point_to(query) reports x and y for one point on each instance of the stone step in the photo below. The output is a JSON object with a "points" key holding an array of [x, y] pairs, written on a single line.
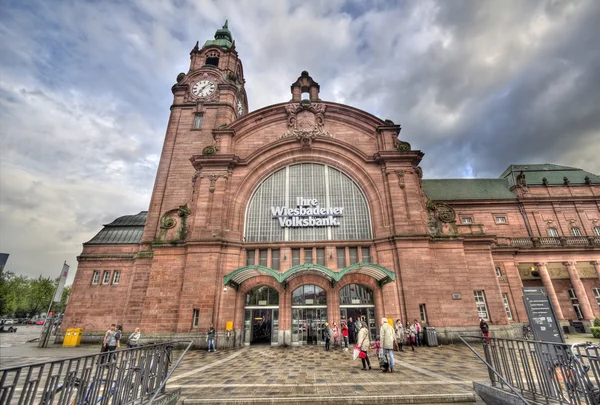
{"points": [[427, 399]]}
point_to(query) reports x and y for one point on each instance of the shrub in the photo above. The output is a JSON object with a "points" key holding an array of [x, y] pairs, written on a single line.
{"points": [[596, 331], [596, 321]]}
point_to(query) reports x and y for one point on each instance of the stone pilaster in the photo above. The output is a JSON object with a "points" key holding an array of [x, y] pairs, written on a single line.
{"points": [[582, 297], [597, 267], [547, 281]]}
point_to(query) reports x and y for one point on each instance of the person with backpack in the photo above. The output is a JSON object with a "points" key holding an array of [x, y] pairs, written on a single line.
{"points": [[326, 336], [485, 329]]}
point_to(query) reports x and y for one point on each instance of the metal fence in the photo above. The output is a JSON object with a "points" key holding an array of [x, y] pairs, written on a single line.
{"points": [[543, 372], [121, 377]]}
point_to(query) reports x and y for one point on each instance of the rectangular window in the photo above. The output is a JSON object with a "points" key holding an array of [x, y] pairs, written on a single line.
{"points": [[423, 312], [596, 230], [482, 311], [116, 276], [197, 121], [308, 255], [295, 257], [96, 277], [321, 256], [262, 257], [106, 277], [250, 254], [552, 232], [498, 271], [467, 220], [275, 259], [597, 295], [575, 231], [195, 318], [341, 257], [507, 306], [366, 255], [575, 303], [500, 220], [353, 255]]}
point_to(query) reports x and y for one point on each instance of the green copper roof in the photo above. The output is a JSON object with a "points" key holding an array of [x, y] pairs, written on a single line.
{"points": [[223, 38], [467, 189], [123, 230], [554, 174]]}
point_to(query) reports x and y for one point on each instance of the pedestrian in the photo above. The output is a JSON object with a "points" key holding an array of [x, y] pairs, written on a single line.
{"points": [[418, 332], [388, 335], [210, 338], [383, 363], [410, 335], [357, 325], [134, 338], [345, 336], [485, 329], [109, 339], [336, 336], [364, 343], [351, 333], [326, 336], [399, 335]]}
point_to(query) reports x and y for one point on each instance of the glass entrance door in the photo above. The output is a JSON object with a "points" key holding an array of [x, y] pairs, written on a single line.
{"points": [[365, 315], [261, 325], [307, 325]]}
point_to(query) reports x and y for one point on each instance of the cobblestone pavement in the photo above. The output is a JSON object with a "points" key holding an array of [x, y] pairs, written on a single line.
{"points": [[263, 371]]}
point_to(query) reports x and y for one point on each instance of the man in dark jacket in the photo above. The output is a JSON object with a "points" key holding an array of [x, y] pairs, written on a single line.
{"points": [[485, 329], [351, 331]]}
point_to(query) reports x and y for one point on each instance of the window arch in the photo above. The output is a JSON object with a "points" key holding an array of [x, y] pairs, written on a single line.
{"points": [[575, 231], [552, 232], [263, 295], [309, 294], [596, 230], [355, 294], [307, 202]]}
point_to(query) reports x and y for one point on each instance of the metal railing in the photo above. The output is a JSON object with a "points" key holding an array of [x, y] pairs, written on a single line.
{"points": [[128, 376], [549, 242], [541, 371]]}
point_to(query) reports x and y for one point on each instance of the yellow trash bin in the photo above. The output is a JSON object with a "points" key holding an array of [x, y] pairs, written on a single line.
{"points": [[68, 340], [76, 337]]}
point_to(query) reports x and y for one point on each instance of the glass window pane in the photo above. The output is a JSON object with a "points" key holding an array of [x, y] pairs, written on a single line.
{"points": [[353, 255], [298, 296], [320, 296], [262, 257], [295, 257], [250, 257], [341, 257], [309, 294], [366, 255], [354, 294], [321, 256], [275, 259], [308, 253]]}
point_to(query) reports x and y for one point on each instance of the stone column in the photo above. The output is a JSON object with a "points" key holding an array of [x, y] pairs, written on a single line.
{"points": [[584, 303], [597, 267], [547, 281]]}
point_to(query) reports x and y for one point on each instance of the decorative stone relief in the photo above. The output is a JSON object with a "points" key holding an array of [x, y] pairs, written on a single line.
{"points": [[400, 174], [306, 122], [401, 146], [521, 182], [209, 150], [170, 219], [442, 219]]}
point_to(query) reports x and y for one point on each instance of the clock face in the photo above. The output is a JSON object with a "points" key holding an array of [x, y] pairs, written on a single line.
{"points": [[240, 108], [203, 88]]}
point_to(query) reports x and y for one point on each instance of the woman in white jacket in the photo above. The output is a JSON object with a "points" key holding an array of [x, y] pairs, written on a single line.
{"points": [[364, 343]]}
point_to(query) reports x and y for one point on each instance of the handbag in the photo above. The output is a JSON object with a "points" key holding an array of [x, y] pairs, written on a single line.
{"points": [[356, 353], [362, 355]]}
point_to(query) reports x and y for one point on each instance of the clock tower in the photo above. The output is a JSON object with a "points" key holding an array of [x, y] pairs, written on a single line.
{"points": [[208, 97]]}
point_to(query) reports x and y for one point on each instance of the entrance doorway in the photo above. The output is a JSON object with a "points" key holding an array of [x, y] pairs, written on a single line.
{"points": [[261, 318], [307, 325], [261, 326], [356, 302]]}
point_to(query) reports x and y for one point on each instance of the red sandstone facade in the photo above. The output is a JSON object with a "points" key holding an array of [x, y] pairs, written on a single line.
{"points": [[434, 245]]}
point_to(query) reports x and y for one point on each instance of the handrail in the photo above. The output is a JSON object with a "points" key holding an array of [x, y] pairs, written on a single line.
{"points": [[164, 383], [490, 368]]}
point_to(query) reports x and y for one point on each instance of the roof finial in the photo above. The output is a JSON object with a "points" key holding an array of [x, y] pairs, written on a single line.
{"points": [[225, 26]]}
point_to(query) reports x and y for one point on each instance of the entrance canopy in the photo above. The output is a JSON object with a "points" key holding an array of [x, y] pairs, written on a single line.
{"points": [[379, 273]]}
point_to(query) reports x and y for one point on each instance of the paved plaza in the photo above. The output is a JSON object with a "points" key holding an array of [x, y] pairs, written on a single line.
{"points": [[263, 374]]}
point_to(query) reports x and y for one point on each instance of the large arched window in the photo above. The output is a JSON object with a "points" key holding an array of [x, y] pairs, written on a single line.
{"points": [[307, 202], [309, 295], [355, 294], [263, 295]]}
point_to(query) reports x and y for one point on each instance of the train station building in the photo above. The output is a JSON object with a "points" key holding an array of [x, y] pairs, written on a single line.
{"points": [[269, 223]]}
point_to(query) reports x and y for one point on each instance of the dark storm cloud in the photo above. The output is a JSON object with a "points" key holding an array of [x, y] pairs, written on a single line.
{"points": [[85, 92]]}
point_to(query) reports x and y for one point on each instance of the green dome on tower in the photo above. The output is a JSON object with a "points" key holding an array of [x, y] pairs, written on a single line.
{"points": [[223, 38]]}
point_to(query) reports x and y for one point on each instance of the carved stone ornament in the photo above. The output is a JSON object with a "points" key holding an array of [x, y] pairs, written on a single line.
{"points": [[209, 150], [170, 219], [522, 182], [442, 219], [306, 122], [401, 146]]}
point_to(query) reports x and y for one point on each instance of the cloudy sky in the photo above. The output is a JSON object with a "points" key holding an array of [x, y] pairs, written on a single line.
{"points": [[85, 92]]}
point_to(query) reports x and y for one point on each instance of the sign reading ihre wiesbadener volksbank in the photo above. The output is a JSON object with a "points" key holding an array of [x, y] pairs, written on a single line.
{"points": [[307, 214]]}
